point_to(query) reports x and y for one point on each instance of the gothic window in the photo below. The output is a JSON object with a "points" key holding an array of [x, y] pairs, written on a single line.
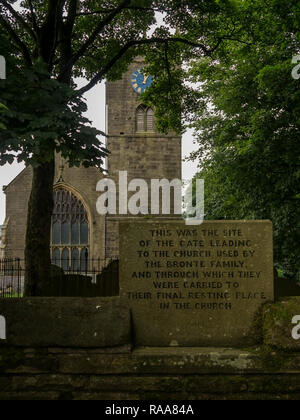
{"points": [[145, 119], [70, 232]]}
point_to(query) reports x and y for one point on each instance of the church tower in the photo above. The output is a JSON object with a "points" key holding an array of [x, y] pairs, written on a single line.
{"points": [[134, 143]]}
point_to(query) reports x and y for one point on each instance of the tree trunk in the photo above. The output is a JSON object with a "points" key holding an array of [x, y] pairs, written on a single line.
{"points": [[37, 249]]}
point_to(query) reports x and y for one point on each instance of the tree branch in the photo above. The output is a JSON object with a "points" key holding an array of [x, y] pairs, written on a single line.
{"points": [[103, 11], [19, 18], [71, 14], [229, 38], [93, 36], [65, 42], [33, 19], [168, 65], [49, 31], [99, 76], [21, 46], [99, 28]]}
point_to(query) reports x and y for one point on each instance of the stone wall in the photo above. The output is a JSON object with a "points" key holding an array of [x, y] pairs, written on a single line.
{"points": [[17, 196], [195, 374], [95, 359]]}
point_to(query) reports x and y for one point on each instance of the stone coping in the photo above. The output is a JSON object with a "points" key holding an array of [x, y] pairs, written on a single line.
{"points": [[104, 324], [147, 361], [66, 322]]}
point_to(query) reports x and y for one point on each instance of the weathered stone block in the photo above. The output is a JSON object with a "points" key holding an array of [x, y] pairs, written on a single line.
{"points": [[66, 322], [159, 361], [196, 286], [277, 324], [149, 374]]}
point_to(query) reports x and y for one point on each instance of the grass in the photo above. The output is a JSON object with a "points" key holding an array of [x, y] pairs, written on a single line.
{"points": [[11, 296]]}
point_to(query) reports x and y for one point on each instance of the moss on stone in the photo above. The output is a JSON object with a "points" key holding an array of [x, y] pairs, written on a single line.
{"points": [[256, 335], [277, 324]]}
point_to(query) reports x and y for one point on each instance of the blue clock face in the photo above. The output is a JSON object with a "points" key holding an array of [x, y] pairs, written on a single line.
{"points": [[140, 81]]}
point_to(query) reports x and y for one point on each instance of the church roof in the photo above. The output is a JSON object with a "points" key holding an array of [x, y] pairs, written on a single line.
{"points": [[20, 175]]}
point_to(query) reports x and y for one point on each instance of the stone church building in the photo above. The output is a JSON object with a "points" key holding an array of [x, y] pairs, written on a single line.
{"points": [[77, 229]]}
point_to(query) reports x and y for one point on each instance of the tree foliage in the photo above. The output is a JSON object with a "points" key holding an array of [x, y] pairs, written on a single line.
{"points": [[51, 42], [248, 126]]}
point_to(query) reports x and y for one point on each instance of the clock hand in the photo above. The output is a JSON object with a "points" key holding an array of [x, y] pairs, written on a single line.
{"points": [[145, 79]]}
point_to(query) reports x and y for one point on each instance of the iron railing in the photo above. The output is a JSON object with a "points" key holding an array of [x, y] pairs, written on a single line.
{"points": [[11, 278], [90, 278]]}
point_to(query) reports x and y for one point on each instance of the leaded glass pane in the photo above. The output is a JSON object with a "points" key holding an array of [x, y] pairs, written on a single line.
{"points": [[84, 255], [65, 233], [75, 233], [56, 236], [65, 259], [75, 259], [84, 234], [56, 257]]}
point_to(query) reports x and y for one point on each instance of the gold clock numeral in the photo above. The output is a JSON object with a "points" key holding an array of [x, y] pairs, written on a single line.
{"points": [[135, 85], [139, 90]]}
